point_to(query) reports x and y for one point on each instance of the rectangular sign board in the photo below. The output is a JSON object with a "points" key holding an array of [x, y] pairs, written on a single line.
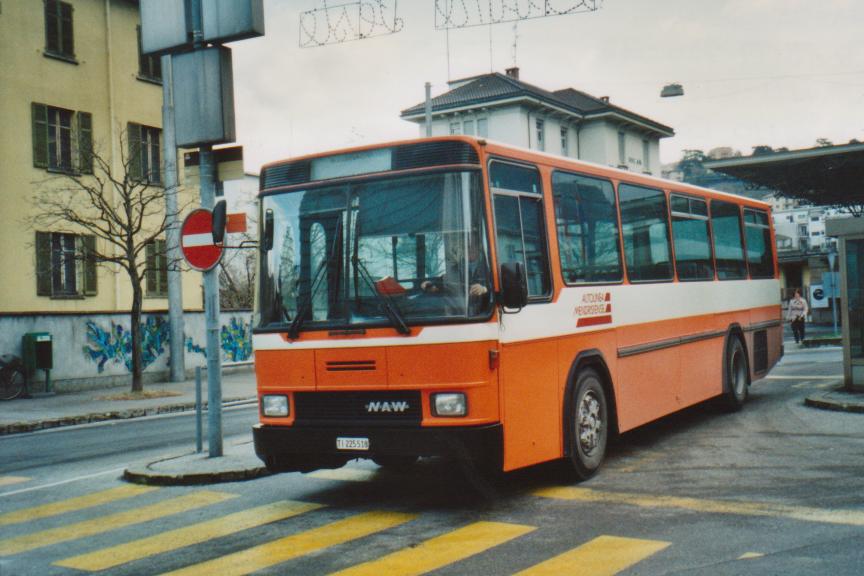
{"points": [[203, 97], [229, 20], [165, 26]]}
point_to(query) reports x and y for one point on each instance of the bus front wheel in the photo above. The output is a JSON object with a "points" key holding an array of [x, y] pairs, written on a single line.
{"points": [[588, 425]]}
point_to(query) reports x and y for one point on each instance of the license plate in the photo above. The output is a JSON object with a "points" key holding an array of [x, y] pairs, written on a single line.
{"points": [[352, 443]]}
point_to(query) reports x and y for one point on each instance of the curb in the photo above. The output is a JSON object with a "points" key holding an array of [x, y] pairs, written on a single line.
{"points": [[36, 425], [230, 468], [836, 406]]}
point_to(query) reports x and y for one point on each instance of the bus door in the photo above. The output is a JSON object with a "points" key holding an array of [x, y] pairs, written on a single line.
{"points": [[528, 369]]}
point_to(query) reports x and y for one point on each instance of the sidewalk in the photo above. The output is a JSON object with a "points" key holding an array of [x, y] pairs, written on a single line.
{"points": [[31, 414]]}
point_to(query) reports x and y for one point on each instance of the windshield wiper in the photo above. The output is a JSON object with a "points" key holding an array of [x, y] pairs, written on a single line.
{"points": [[392, 311], [294, 329]]}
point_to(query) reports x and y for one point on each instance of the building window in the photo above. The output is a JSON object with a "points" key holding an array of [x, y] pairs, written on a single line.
{"points": [[62, 139], [483, 127], [157, 269], [59, 39], [455, 128], [622, 150], [149, 67], [565, 148], [468, 127], [541, 140], [144, 153], [65, 265]]}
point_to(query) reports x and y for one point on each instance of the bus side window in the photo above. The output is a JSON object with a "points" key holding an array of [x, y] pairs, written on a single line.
{"points": [[760, 258], [691, 237], [645, 228], [728, 246], [587, 224], [519, 223]]}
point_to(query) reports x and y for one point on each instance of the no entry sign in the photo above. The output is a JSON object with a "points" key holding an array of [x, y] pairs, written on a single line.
{"points": [[196, 240]]}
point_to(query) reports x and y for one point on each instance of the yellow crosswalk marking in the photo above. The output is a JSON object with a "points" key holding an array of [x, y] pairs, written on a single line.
{"points": [[602, 556], [808, 514], [74, 504], [9, 480], [111, 522], [345, 474], [187, 536], [441, 550], [277, 551]]}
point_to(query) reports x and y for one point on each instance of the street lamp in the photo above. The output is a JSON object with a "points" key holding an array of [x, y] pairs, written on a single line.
{"points": [[671, 91]]}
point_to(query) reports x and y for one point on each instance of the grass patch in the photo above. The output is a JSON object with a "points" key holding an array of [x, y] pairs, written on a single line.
{"points": [[144, 395]]}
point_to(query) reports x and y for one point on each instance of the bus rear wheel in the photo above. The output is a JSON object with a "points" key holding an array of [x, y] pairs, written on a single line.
{"points": [[588, 425], [736, 377]]}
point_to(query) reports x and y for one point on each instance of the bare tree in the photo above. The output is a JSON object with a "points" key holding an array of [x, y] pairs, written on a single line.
{"points": [[122, 211]]}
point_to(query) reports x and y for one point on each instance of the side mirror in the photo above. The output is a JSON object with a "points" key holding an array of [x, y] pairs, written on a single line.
{"points": [[219, 218], [514, 286], [267, 233]]}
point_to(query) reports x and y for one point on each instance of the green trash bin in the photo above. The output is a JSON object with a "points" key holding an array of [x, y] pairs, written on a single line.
{"points": [[37, 354]]}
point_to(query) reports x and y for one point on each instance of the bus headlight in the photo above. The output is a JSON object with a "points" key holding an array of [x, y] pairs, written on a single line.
{"points": [[276, 406], [449, 404]]}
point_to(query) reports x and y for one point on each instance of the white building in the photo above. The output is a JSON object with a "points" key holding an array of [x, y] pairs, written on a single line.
{"points": [[803, 228], [566, 122]]}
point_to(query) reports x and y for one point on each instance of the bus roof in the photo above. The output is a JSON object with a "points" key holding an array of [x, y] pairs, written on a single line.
{"points": [[544, 158]]}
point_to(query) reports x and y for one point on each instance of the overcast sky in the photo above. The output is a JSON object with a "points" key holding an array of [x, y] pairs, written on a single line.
{"points": [[775, 72]]}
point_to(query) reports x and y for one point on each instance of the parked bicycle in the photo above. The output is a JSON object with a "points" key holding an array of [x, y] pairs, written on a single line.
{"points": [[13, 381]]}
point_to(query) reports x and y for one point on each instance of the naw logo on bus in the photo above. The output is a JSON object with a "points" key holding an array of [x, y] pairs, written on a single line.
{"points": [[595, 308], [377, 407]]}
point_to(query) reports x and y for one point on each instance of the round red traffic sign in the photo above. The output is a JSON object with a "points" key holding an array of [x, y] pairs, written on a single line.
{"points": [[196, 240]]}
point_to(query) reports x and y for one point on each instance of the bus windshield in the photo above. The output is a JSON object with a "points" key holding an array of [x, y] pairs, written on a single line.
{"points": [[396, 250]]}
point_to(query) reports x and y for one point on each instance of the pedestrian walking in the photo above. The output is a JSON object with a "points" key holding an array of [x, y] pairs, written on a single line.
{"points": [[796, 313]]}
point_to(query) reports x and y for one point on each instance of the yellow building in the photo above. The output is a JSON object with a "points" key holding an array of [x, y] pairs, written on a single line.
{"points": [[72, 79]]}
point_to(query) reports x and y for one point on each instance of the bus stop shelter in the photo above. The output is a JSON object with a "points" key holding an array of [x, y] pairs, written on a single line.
{"points": [[823, 176]]}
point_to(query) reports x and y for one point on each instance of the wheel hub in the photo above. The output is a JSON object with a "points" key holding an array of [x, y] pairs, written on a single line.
{"points": [[590, 423]]}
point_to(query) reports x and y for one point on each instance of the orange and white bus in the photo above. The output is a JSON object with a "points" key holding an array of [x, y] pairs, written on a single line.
{"points": [[462, 298]]}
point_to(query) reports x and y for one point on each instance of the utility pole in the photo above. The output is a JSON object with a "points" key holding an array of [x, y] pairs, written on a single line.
{"points": [[175, 276], [428, 110]]}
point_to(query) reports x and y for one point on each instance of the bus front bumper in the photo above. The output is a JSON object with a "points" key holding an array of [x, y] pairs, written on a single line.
{"points": [[291, 448]]}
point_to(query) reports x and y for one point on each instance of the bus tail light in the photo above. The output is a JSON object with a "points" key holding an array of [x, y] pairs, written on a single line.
{"points": [[449, 404], [275, 406]]}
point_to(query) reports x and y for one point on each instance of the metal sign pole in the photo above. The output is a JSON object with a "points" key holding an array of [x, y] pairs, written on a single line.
{"points": [[175, 275], [211, 280]]}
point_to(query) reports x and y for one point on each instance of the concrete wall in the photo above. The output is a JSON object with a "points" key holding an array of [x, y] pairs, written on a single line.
{"points": [[94, 350]]}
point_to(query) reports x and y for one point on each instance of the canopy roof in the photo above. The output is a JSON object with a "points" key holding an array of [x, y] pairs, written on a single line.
{"points": [[828, 175]]}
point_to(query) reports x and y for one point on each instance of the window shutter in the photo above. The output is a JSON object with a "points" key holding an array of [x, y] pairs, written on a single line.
{"points": [[133, 133], [90, 283], [66, 35], [85, 142], [52, 27], [43, 263], [40, 135], [151, 278], [163, 267]]}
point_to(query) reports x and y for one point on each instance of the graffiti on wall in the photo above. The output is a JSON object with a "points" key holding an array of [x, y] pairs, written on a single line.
{"points": [[235, 341], [115, 344]]}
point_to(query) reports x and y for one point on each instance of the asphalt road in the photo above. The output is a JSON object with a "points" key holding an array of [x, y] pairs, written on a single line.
{"points": [[775, 489]]}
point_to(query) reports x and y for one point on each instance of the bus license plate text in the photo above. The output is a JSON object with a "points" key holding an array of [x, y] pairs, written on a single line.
{"points": [[352, 443]]}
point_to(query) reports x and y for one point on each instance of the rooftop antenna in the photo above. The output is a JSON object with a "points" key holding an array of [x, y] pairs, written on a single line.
{"points": [[515, 42]]}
